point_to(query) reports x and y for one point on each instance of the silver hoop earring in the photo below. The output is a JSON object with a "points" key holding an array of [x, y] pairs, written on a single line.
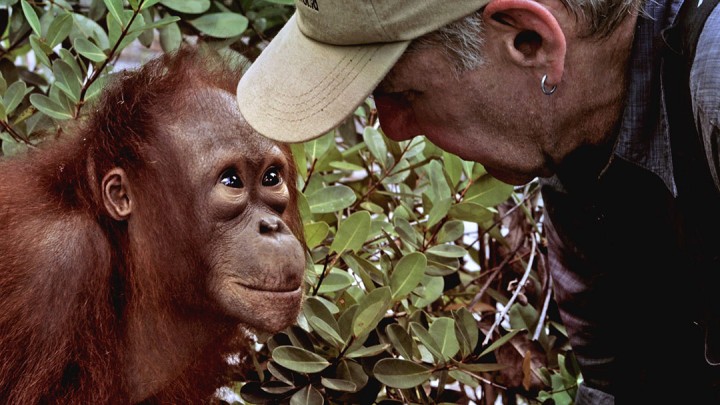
{"points": [[544, 90]]}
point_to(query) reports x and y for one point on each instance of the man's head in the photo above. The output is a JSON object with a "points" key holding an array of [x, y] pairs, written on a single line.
{"points": [[465, 74]]}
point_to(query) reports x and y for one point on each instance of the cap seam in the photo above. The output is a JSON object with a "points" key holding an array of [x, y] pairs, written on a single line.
{"points": [[382, 30]]}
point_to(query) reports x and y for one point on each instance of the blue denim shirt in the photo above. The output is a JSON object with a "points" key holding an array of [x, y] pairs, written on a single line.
{"points": [[615, 247]]}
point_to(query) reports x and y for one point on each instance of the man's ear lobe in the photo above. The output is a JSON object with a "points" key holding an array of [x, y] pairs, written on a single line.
{"points": [[531, 36], [116, 194]]}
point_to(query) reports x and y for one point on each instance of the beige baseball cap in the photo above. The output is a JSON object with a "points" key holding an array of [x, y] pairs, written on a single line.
{"points": [[329, 57]]}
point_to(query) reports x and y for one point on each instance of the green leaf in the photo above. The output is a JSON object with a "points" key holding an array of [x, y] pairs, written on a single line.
{"points": [[170, 37], [464, 378], [504, 339], [319, 317], [284, 2], [41, 50], [488, 191], [338, 384], [453, 168], [89, 29], [49, 107], [401, 341], [438, 211], [31, 17], [471, 212], [66, 80], [447, 250], [89, 50], [367, 351], [352, 233], [59, 29], [157, 24], [331, 199], [451, 231], [221, 25], [300, 360], [426, 339], [407, 274], [115, 7], [148, 3], [326, 331], [3, 114], [398, 373], [115, 30], [335, 281], [481, 367], [315, 233], [443, 332], [372, 308], [96, 88], [188, 7], [349, 370], [433, 289], [467, 329], [14, 96], [307, 396], [376, 145], [439, 189]]}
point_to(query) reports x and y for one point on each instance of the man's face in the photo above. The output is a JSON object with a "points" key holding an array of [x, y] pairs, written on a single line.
{"points": [[488, 115]]}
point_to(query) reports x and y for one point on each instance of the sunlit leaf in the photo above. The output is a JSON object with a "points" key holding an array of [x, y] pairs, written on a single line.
{"points": [[221, 25], [49, 106], [398, 373], [31, 17], [447, 250], [443, 332], [471, 212], [407, 274], [352, 233], [488, 192], [115, 8], [59, 29], [451, 231], [14, 96], [331, 199], [338, 384], [89, 50], [298, 359], [371, 310], [335, 281], [185, 6], [315, 233]]}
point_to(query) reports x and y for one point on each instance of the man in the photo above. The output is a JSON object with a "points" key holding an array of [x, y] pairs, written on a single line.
{"points": [[595, 98]]}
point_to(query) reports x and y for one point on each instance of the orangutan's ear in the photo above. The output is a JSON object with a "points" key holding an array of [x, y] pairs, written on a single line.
{"points": [[116, 194]]}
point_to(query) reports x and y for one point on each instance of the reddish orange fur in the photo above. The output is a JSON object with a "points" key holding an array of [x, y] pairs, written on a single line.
{"points": [[70, 278]]}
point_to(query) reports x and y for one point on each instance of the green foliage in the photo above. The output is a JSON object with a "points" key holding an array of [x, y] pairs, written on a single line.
{"points": [[426, 280]]}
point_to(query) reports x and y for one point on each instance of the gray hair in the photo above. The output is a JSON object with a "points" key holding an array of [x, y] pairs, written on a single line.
{"points": [[462, 40]]}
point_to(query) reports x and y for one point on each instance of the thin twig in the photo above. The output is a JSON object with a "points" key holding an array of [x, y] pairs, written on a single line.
{"points": [[522, 282], [493, 275], [546, 304]]}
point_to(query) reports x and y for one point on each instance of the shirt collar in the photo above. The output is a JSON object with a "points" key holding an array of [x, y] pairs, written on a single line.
{"points": [[644, 137]]}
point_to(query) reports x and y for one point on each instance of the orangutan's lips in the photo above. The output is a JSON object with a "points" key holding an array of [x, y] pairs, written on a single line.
{"points": [[291, 290]]}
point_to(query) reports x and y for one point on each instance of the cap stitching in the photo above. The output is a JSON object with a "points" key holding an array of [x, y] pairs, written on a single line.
{"points": [[326, 100], [329, 79]]}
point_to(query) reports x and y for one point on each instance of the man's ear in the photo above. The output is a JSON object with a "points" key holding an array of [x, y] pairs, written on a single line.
{"points": [[116, 194], [531, 36]]}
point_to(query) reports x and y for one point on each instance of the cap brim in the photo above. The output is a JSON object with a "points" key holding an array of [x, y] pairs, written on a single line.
{"points": [[299, 89]]}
